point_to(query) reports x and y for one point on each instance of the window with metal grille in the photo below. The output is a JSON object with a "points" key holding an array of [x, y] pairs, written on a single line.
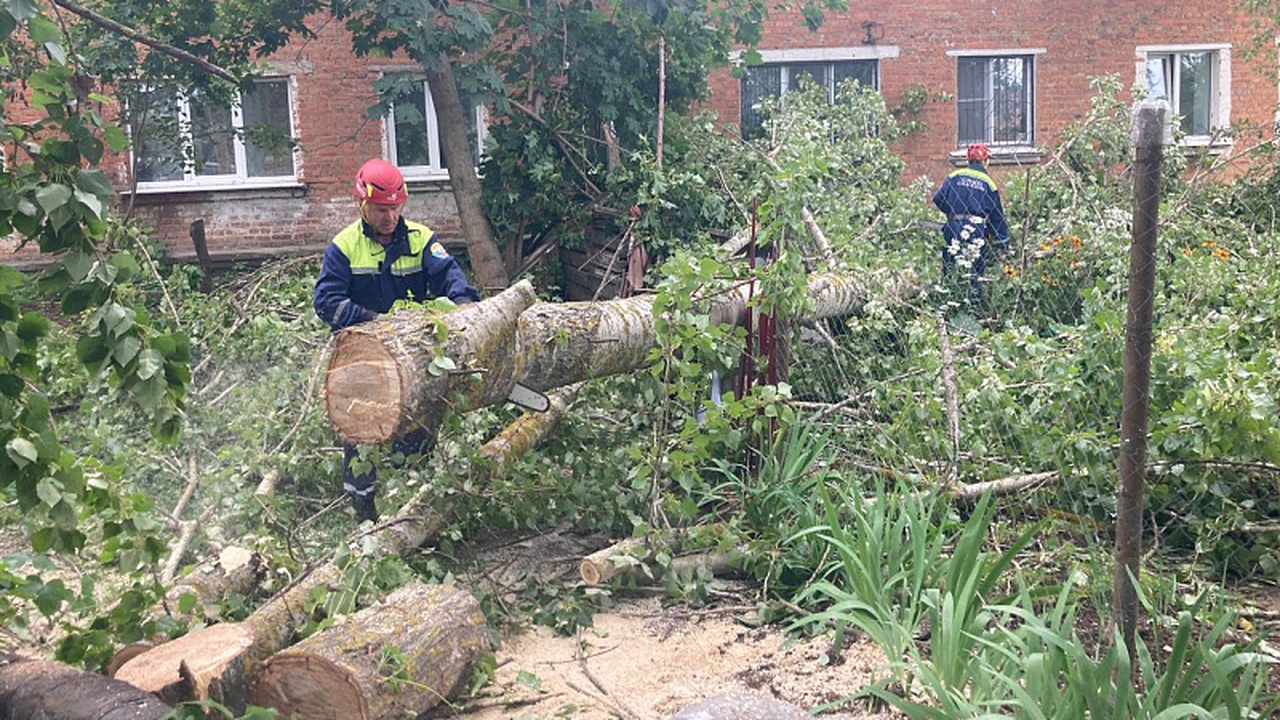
{"points": [[994, 100]]}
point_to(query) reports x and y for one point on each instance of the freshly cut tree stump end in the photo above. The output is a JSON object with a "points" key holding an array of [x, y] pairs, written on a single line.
{"points": [[206, 654], [312, 687], [363, 390]]}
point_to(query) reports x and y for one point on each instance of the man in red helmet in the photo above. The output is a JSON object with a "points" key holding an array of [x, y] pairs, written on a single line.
{"points": [[377, 260], [975, 219]]}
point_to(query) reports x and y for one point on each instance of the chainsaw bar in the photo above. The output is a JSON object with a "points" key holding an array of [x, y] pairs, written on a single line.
{"points": [[529, 398]]}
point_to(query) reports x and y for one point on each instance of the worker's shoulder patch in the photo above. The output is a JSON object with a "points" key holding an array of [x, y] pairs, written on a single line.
{"points": [[437, 250]]}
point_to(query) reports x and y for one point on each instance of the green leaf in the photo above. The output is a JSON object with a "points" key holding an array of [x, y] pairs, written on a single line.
{"points": [[150, 362], [21, 451], [186, 603], [126, 350], [53, 196], [50, 491], [22, 10], [78, 265], [57, 52], [115, 137], [32, 327], [7, 25], [10, 279], [91, 201], [441, 365], [95, 181], [50, 598]]}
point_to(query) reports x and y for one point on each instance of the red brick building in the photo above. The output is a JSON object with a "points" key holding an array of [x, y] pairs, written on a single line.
{"points": [[1017, 72]]}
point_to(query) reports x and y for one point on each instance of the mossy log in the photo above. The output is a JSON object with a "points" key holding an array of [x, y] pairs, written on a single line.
{"points": [[378, 386], [527, 431], [396, 659], [218, 661], [42, 690]]}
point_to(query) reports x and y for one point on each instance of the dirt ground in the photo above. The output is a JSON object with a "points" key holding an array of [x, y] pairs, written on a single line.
{"points": [[644, 659]]}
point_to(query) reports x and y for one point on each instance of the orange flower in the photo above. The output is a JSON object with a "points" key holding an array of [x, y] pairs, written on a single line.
{"points": [[1221, 253], [1076, 242], [1009, 271]]}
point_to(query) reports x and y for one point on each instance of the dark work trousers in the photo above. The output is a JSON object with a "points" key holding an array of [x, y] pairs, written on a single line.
{"points": [[360, 488]]}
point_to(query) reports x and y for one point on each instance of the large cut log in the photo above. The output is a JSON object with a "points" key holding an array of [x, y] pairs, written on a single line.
{"points": [[379, 387], [42, 690], [218, 661], [382, 382], [396, 659]]}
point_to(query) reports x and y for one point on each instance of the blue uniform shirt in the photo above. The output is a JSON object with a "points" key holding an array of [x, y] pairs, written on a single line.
{"points": [[967, 195], [360, 277]]}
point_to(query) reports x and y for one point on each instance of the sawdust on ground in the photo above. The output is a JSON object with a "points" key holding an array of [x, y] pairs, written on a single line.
{"points": [[642, 660], [646, 659]]}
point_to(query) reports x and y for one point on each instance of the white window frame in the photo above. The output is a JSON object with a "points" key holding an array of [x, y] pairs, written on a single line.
{"points": [[432, 170], [190, 181], [790, 57], [1220, 109]]}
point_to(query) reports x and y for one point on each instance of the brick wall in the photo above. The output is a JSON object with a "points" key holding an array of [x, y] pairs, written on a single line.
{"points": [[1080, 39]]}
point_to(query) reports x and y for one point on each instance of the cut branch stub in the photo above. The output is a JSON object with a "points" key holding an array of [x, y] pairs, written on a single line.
{"points": [[379, 385]]}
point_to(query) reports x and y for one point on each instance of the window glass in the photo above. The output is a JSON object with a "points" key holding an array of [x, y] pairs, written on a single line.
{"points": [[157, 141], [771, 81], [993, 100], [186, 137], [763, 81], [212, 138], [267, 129], [413, 131], [412, 139], [1195, 81]]}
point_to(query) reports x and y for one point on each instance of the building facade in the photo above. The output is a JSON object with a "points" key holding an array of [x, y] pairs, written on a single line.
{"points": [[1016, 72]]}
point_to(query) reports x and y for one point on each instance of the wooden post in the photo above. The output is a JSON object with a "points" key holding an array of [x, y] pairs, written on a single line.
{"points": [[1148, 133], [202, 255]]}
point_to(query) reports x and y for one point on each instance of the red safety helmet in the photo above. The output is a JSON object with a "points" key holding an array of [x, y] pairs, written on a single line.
{"points": [[979, 152], [380, 183]]}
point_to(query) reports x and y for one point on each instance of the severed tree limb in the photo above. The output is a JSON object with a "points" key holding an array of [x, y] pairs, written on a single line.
{"points": [[171, 51], [42, 690], [528, 430], [187, 533], [952, 404], [1003, 486]]}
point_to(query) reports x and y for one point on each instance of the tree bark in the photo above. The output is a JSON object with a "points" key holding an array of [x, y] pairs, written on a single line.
{"points": [[41, 690], [380, 383], [482, 249], [393, 660], [527, 431], [218, 661], [378, 387]]}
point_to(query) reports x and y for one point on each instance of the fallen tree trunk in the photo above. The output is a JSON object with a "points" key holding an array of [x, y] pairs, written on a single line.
{"points": [[396, 659], [379, 386], [41, 690], [217, 662]]}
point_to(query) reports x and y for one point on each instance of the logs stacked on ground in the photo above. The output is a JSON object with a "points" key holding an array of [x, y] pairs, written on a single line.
{"points": [[396, 659]]}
